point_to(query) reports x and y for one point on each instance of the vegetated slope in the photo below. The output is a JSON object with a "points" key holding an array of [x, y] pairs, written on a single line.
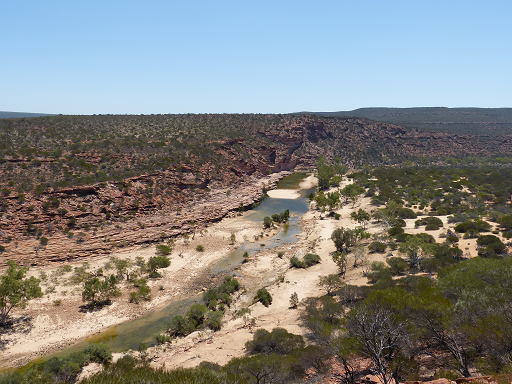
{"points": [[474, 121], [13, 115], [73, 186]]}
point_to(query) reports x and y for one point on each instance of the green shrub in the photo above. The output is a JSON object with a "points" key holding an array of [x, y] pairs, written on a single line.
{"points": [[486, 252], [196, 315], [452, 239], [162, 338], [431, 227], [311, 259], [397, 265], [429, 220], [267, 222], [200, 248], [157, 262], [294, 300], [491, 242], [98, 291], [264, 297], [143, 291], [98, 353], [296, 263], [180, 326], [63, 369], [379, 272], [163, 250], [405, 213], [479, 225], [213, 320], [377, 247], [431, 264], [221, 294], [393, 231]]}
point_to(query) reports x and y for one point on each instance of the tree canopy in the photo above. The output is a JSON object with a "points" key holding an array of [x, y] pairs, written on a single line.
{"points": [[16, 290]]}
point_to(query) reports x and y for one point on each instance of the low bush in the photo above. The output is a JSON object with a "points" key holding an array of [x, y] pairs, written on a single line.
{"points": [[405, 213], [490, 242], [397, 265], [221, 295], [264, 297], [377, 247], [157, 262], [479, 225], [429, 220], [162, 338], [296, 263], [309, 260], [143, 291], [163, 250], [379, 272], [393, 231], [452, 239], [60, 369]]}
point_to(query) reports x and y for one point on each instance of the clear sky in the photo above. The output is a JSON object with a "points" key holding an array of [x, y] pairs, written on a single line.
{"points": [[241, 56]]}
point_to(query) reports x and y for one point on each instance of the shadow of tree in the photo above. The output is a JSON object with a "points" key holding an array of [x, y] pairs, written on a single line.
{"points": [[18, 325], [94, 306]]}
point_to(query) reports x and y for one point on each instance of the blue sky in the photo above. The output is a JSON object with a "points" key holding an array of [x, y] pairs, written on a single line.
{"points": [[153, 56]]}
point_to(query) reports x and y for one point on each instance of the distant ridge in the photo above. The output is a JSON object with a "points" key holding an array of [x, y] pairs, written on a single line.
{"points": [[474, 121], [16, 115]]}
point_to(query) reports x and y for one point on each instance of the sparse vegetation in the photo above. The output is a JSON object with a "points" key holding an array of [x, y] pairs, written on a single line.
{"points": [[461, 315], [207, 315]]}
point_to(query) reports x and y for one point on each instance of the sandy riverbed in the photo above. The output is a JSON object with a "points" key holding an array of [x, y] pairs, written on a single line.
{"points": [[58, 319], [46, 326]]}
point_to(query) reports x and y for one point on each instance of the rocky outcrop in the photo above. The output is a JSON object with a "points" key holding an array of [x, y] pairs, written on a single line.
{"points": [[115, 218]]}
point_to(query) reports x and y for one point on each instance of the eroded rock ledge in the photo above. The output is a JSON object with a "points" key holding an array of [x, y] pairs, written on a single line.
{"points": [[162, 219]]}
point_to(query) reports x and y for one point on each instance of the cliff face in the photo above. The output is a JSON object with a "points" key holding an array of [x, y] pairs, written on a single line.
{"points": [[80, 187], [100, 218]]}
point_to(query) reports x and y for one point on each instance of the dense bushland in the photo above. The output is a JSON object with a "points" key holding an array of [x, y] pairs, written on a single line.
{"points": [[461, 319], [60, 369]]}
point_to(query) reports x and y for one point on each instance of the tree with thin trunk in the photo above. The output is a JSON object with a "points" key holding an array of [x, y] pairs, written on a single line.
{"points": [[340, 259], [331, 283], [361, 217], [16, 290], [380, 335], [343, 238]]}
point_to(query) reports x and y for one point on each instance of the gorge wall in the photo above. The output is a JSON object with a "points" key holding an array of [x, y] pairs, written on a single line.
{"points": [[78, 186]]}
